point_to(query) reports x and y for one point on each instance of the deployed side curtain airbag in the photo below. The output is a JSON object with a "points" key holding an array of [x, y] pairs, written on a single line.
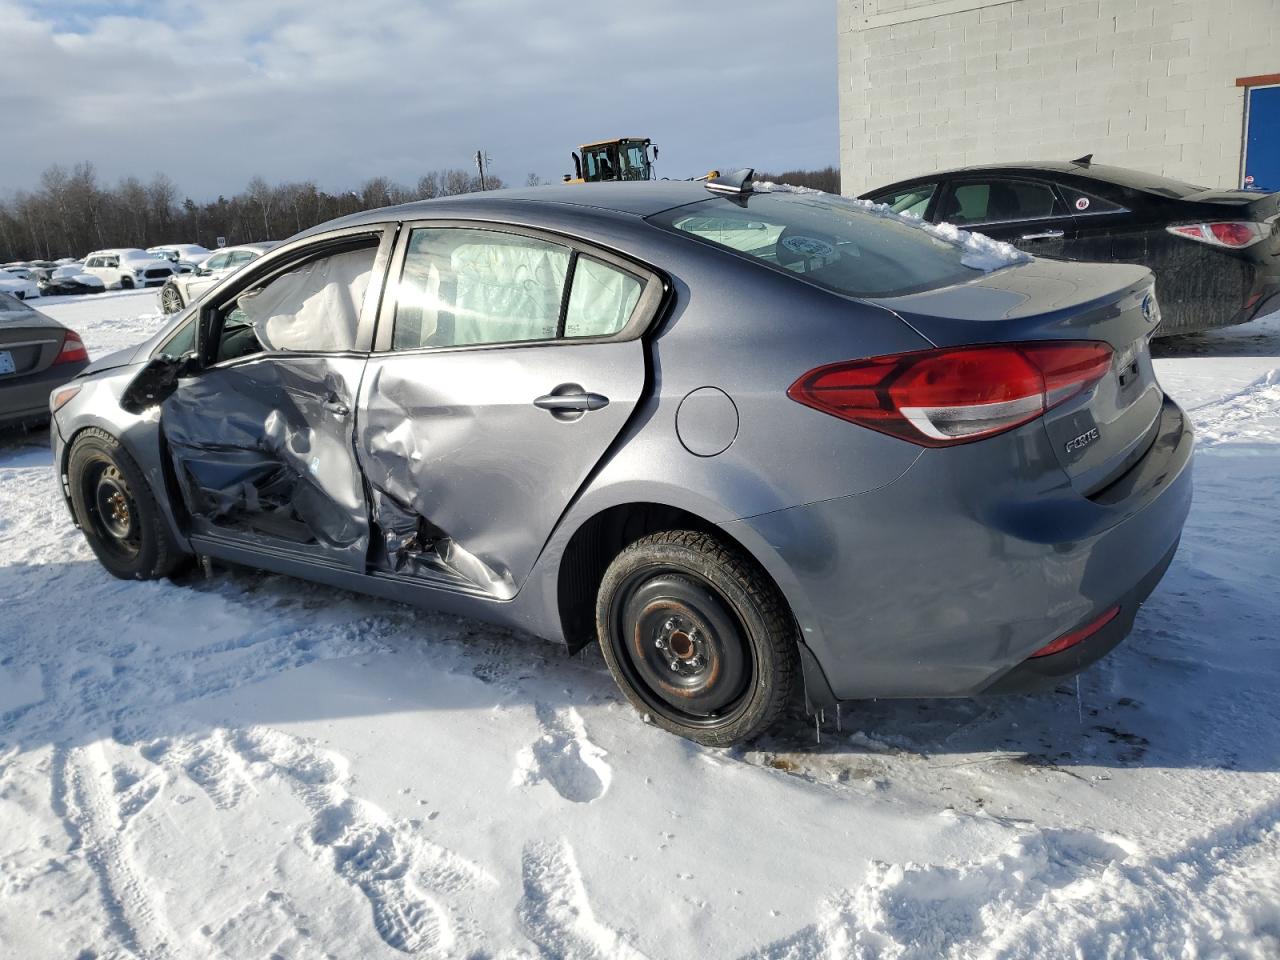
{"points": [[315, 307], [601, 301], [507, 292]]}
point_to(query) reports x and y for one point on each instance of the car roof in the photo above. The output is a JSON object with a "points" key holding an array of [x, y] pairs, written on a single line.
{"points": [[115, 252], [639, 198], [1105, 173], [257, 247]]}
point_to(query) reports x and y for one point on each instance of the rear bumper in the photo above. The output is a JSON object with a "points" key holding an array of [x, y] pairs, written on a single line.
{"points": [[943, 582], [25, 399]]}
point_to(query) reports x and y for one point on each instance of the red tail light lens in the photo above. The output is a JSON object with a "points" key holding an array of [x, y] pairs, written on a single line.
{"points": [[72, 349], [937, 398], [1069, 640], [1235, 234]]}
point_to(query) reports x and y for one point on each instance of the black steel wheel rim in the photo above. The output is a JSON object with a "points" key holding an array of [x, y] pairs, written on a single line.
{"points": [[113, 513], [681, 647]]}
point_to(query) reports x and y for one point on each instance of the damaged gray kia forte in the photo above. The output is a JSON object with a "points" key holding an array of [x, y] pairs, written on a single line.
{"points": [[755, 443]]}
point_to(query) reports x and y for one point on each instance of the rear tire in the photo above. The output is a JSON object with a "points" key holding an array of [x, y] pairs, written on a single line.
{"points": [[117, 511], [697, 637]]}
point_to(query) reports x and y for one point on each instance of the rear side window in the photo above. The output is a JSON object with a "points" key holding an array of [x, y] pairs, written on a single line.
{"points": [[1081, 202], [912, 200], [836, 244], [998, 201], [240, 257]]}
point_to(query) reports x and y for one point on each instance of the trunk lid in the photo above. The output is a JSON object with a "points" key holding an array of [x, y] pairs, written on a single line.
{"points": [[30, 339], [1100, 434]]}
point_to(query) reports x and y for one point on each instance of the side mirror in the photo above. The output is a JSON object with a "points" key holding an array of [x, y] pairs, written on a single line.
{"points": [[155, 382]]}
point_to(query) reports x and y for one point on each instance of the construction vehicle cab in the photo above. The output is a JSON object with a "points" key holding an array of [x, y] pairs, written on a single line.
{"points": [[626, 158]]}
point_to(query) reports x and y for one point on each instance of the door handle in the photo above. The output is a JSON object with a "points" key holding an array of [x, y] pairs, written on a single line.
{"points": [[1046, 235], [334, 404], [575, 402]]}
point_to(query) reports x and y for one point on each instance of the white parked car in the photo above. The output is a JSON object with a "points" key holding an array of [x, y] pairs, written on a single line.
{"points": [[187, 252], [127, 268], [24, 288], [181, 290]]}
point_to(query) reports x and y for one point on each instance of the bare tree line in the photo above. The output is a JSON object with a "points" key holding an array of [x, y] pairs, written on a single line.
{"points": [[71, 213]]}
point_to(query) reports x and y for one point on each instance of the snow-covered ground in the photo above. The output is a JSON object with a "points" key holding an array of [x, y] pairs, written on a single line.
{"points": [[251, 766]]}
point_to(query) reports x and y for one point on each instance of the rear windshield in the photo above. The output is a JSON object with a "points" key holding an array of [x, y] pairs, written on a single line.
{"points": [[1149, 182], [833, 243]]}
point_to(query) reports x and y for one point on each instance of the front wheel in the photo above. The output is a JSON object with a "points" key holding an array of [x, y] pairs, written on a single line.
{"points": [[126, 283], [116, 510], [697, 637], [170, 299]]}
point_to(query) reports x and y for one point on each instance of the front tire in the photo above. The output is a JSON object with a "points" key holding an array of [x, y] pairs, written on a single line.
{"points": [[697, 637], [117, 511], [170, 299], [126, 283]]}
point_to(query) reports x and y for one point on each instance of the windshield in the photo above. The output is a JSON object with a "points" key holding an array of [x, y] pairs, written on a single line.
{"points": [[850, 247]]}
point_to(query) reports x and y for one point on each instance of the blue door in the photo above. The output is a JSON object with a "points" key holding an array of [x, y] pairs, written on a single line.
{"points": [[1262, 139]]}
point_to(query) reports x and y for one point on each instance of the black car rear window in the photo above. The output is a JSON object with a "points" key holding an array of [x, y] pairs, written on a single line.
{"points": [[1148, 182], [833, 243]]}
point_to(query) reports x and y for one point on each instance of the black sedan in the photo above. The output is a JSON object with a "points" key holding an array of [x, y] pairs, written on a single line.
{"points": [[1215, 253], [65, 281], [37, 354]]}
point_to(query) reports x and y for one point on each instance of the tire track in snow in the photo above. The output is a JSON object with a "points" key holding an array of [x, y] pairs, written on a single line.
{"points": [[94, 820]]}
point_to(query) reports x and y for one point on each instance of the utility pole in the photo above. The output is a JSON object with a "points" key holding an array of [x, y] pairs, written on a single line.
{"points": [[481, 159]]}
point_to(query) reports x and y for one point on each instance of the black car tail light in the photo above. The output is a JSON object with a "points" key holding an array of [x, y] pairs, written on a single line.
{"points": [[1234, 234], [72, 349]]}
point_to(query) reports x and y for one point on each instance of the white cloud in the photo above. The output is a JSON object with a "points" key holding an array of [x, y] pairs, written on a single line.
{"points": [[215, 92]]}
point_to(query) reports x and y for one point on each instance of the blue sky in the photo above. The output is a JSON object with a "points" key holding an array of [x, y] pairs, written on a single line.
{"points": [[215, 92]]}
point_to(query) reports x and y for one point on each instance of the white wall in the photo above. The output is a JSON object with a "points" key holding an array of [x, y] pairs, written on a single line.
{"points": [[933, 84]]}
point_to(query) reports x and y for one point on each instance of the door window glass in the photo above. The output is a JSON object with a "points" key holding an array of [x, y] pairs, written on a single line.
{"points": [[240, 257], [997, 201], [1080, 202], [601, 300], [463, 287], [314, 307], [912, 200], [218, 262]]}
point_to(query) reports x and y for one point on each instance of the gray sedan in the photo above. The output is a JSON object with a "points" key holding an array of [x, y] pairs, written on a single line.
{"points": [[758, 445]]}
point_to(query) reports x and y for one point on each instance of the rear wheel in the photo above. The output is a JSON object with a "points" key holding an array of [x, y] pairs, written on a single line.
{"points": [[170, 299], [117, 511], [697, 637]]}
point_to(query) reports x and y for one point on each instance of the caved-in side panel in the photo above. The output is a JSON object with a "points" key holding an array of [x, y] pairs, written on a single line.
{"points": [[468, 476], [264, 449]]}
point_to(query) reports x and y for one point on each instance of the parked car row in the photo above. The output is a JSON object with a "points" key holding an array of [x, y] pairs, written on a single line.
{"points": [[117, 268]]}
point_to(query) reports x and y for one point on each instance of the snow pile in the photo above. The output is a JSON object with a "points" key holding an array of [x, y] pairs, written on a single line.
{"points": [[251, 765], [979, 251]]}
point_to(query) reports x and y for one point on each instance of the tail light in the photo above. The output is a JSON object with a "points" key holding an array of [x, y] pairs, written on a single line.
{"points": [[938, 398], [1077, 636], [1233, 234], [72, 349]]}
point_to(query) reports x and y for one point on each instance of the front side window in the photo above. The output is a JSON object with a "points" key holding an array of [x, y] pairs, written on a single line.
{"points": [[314, 307], [998, 201], [218, 262], [463, 287], [835, 244], [910, 200]]}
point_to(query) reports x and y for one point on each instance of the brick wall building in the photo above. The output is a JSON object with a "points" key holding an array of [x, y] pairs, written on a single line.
{"points": [[1151, 84]]}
